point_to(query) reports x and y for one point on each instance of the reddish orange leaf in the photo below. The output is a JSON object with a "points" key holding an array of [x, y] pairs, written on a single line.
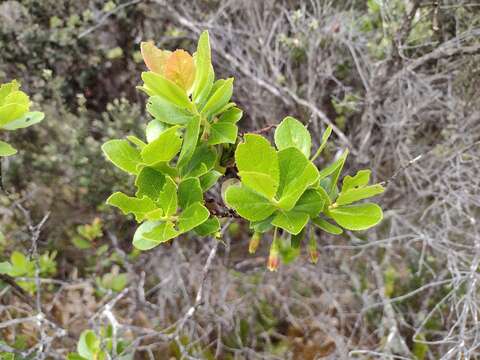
{"points": [[180, 69], [154, 58]]}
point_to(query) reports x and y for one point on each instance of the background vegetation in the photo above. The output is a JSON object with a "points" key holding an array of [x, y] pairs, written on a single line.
{"points": [[398, 79]]}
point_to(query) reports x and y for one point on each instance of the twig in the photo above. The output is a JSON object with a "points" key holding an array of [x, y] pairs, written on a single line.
{"points": [[106, 16]]}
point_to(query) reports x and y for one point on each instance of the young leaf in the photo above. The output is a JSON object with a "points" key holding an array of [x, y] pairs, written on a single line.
{"points": [[332, 168], [29, 119], [337, 171], [326, 226], [296, 174], [257, 163], [122, 155], [204, 72], [167, 112], [136, 206], [166, 89], [164, 148], [168, 199], [190, 141], [292, 133], [247, 203], [356, 217], [180, 69], [291, 221], [325, 138], [352, 195], [154, 58], [6, 149], [192, 217], [189, 192], [360, 179], [219, 99]]}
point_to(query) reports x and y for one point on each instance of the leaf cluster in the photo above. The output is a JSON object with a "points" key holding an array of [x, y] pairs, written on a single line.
{"points": [[15, 113], [194, 123]]}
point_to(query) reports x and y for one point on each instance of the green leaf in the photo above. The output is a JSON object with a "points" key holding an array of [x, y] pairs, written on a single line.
{"points": [[257, 162], [168, 199], [189, 192], [311, 202], [162, 232], [356, 217], [297, 173], [325, 137], [292, 133], [204, 72], [219, 99], [209, 227], [222, 133], [231, 116], [122, 155], [209, 179], [8, 88], [164, 148], [88, 345], [136, 206], [154, 129], [192, 217], [360, 179], [142, 243], [166, 112], [29, 119], [263, 225], [21, 266], [337, 171], [11, 112], [136, 141], [149, 182], [190, 141], [203, 160], [74, 356], [247, 203], [5, 268], [332, 168], [291, 221], [352, 195], [166, 89], [288, 252], [326, 226], [6, 149]]}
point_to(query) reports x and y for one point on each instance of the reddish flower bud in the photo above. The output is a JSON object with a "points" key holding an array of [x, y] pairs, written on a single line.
{"points": [[273, 262], [273, 257]]}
